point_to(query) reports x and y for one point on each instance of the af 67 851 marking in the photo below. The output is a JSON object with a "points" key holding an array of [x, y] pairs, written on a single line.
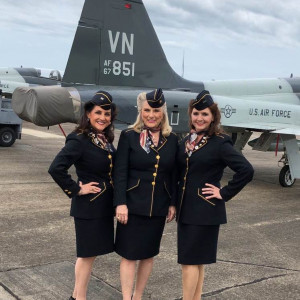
{"points": [[117, 68]]}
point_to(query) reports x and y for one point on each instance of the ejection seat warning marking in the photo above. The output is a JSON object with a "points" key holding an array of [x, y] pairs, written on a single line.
{"points": [[117, 67], [265, 112]]}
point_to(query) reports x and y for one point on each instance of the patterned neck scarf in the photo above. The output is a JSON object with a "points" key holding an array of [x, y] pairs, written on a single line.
{"points": [[191, 141], [146, 139], [100, 140]]}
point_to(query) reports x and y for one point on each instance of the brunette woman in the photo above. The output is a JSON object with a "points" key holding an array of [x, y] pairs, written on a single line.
{"points": [[202, 157], [89, 148]]}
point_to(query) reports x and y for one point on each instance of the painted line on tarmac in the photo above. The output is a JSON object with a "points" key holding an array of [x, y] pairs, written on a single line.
{"points": [[41, 134]]}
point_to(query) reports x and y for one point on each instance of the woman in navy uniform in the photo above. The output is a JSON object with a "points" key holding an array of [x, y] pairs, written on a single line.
{"points": [[202, 157], [89, 148], [144, 193]]}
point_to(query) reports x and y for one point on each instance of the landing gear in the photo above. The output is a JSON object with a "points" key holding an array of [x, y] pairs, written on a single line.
{"points": [[285, 177]]}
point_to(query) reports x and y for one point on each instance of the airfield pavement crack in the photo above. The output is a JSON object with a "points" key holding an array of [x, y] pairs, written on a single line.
{"points": [[9, 291], [34, 266], [242, 284], [258, 265], [31, 182], [105, 282]]}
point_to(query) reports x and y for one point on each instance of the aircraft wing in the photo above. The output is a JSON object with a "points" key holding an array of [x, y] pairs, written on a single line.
{"points": [[274, 127]]}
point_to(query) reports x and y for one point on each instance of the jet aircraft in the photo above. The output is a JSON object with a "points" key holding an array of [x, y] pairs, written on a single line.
{"points": [[10, 78], [115, 48]]}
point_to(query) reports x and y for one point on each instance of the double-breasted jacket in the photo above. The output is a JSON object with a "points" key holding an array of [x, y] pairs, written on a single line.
{"points": [[206, 165], [92, 164], [145, 182]]}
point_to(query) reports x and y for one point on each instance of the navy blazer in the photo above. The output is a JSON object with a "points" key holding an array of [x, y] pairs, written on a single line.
{"points": [[92, 163], [206, 165], [144, 181]]}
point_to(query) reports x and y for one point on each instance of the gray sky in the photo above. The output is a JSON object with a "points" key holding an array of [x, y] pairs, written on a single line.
{"points": [[221, 39]]}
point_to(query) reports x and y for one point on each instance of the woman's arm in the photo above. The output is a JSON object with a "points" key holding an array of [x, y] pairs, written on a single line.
{"points": [[58, 169], [240, 165], [121, 177]]}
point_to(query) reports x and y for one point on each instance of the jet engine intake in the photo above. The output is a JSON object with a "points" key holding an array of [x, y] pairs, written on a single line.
{"points": [[47, 105]]}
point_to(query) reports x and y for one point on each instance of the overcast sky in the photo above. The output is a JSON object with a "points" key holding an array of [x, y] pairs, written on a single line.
{"points": [[220, 39]]}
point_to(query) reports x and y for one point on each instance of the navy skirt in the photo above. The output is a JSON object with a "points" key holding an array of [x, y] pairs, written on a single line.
{"points": [[94, 236], [197, 244], [140, 237]]}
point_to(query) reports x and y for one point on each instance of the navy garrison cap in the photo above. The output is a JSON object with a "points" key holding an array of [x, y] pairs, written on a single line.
{"points": [[156, 98], [203, 100], [102, 99]]}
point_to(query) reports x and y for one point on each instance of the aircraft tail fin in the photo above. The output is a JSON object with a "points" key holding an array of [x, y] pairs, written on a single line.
{"points": [[115, 45]]}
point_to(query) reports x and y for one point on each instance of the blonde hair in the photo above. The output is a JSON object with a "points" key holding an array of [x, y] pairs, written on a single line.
{"points": [[139, 124]]}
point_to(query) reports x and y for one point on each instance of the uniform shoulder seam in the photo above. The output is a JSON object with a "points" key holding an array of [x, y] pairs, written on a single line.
{"points": [[222, 135], [129, 129]]}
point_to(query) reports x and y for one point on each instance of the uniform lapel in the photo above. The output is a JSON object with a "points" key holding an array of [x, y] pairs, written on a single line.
{"points": [[201, 144], [161, 143]]}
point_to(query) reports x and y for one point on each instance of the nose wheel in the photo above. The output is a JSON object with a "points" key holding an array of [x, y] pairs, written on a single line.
{"points": [[285, 176]]}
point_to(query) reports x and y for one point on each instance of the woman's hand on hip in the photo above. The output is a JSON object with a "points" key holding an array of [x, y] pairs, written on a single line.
{"points": [[89, 188], [212, 191], [171, 214], [122, 213]]}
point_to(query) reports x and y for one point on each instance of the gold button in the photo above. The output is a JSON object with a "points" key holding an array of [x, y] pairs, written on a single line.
{"points": [[109, 156], [69, 193], [187, 158], [156, 166], [66, 190], [154, 174], [184, 178], [109, 174], [111, 182], [111, 165], [157, 157], [183, 187], [153, 183]]}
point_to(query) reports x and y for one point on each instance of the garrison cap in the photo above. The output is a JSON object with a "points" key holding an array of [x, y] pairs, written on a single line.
{"points": [[203, 100], [156, 98], [102, 99]]}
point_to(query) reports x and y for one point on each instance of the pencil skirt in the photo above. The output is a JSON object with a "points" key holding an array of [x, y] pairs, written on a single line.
{"points": [[140, 238], [197, 244], [94, 236]]}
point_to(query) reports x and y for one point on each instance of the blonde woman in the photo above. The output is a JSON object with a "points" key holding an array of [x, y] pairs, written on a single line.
{"points": [[144, 190]]}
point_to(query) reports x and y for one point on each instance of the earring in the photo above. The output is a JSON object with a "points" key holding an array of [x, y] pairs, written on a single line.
{"points": [[88, 119]]}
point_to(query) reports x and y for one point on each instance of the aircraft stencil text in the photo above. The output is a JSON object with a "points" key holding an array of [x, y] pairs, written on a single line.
{"points": [[265, 112], [113, 41], [116, 67]]}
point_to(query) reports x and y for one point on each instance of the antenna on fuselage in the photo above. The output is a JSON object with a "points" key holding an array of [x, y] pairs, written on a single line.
{"points": [[182, 72]]}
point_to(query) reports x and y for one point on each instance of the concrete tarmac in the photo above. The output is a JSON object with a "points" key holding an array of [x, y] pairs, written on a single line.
{"points": [[258, 254]]}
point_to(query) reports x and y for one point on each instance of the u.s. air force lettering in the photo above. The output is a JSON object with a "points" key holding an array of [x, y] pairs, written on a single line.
{"points": [[265, 112]]}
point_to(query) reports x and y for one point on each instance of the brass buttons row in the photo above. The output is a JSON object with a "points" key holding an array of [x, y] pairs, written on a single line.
{"points": [[156, 167], [110, 171]]}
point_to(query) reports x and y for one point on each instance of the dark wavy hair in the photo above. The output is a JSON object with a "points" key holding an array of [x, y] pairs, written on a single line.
{"points": [[215, 126], [84, 125]]}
